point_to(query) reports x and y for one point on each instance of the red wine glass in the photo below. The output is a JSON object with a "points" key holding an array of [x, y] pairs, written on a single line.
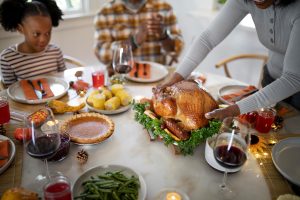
{"points": [[122, 59], [5, 114], [230, 149], [42, 143]]}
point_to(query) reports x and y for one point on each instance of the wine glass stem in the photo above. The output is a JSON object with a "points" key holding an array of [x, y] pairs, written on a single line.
{"points": [[47, 169], [224, 180]]}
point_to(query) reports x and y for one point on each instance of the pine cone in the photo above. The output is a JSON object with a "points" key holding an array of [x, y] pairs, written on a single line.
{"points": [[82, 156]]}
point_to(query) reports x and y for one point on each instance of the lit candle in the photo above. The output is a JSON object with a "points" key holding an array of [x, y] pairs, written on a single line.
{"points": [[173, 196]]}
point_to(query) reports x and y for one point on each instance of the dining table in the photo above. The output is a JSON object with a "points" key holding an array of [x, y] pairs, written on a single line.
{"points": [[130, 146]]}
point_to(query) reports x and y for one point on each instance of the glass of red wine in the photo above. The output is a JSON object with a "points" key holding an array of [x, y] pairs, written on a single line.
{"points": [[122, 59], [5, 114], [42, 140], [230, 149]]}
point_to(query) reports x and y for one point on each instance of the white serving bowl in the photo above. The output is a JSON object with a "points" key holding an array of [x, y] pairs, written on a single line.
{"points": [[210, 159]]}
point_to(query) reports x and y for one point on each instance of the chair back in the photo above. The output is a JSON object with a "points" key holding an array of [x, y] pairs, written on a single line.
{"points": [[225, 63], [72, 62]]}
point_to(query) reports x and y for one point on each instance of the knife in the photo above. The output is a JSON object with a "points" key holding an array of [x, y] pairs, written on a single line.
{"points": [[42, 88], [235, 99], [37, 92]]}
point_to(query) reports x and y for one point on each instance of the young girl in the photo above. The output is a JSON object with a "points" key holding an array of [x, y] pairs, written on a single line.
{"points": [[34, 56]]}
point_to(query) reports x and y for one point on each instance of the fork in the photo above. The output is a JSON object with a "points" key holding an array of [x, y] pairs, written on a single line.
{"points": [[42, 89]]}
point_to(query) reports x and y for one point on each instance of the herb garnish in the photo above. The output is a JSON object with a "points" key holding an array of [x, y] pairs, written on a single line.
{"points": [[186, 147]]}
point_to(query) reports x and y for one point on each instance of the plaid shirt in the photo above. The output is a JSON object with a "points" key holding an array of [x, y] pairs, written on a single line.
{"points": [[114, 22]]}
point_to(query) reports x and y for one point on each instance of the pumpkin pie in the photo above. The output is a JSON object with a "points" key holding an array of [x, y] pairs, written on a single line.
{"points": [[88, 128]]}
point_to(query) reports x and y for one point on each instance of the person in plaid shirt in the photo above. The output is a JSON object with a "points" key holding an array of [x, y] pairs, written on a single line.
{"points": [[150, 26]]}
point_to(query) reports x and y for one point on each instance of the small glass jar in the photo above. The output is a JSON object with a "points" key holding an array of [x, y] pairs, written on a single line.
{"points": [[58, 188], [264, 120]]}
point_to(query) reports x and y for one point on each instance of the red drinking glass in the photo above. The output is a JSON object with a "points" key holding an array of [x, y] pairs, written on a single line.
{"points": [[98, 79], [58, 188], [265, 119], [4, 110]]}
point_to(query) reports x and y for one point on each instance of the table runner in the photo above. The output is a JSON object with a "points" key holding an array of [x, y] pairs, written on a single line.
{"points": [[13, 175], [277, 184]]}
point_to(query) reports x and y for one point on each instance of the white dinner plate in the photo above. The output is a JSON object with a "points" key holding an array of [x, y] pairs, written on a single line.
{"points": [[109, 112], [58, 86], [210, 158], [285, 156], [229, 89], [101, 170], [12, 153], [158, 72]]}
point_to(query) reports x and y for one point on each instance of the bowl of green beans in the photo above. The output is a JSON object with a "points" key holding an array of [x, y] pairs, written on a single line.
{"points": [[110, 182]]}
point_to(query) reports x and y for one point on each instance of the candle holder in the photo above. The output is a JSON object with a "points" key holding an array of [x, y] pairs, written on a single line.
{"points": [[172, 194]]}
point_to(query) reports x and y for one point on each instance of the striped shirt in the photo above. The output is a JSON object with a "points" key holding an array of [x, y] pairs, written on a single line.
{"points": [[114, 22], [278, 29], [16, 65]]}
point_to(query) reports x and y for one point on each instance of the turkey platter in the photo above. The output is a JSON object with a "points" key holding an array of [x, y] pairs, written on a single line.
{"points": [[182, 107]]}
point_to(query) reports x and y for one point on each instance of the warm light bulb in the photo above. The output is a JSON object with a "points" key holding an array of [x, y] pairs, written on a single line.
{"points": [[173, 196]]}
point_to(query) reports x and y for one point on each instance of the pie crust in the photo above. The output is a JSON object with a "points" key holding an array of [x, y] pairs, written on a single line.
{"points": [[88, 128]]}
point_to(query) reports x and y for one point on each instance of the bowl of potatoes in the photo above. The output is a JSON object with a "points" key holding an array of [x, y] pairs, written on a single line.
{"points": [[109, 100]]}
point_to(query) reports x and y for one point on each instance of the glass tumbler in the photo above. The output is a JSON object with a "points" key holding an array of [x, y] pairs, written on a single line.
{"points": [[58, 188], [265, 119]]}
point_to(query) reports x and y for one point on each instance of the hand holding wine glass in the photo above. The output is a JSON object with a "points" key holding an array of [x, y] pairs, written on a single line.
{"points": [[122, 58], [230, 149]]}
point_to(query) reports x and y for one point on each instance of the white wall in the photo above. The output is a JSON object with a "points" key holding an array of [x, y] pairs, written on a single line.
{"points": [[75, 35]]}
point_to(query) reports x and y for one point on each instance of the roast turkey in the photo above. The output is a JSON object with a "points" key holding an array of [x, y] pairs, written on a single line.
{"points": [[184, 102]]}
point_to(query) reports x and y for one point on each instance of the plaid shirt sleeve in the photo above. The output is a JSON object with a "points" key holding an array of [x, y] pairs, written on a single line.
{"points": [[170, 21], [103, 35]]}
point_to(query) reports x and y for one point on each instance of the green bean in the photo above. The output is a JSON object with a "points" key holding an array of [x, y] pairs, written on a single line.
{"points": [[111, 185], [115, 196]]}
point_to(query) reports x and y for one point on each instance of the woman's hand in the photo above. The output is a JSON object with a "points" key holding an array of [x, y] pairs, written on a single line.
{"points": [[175, 77], [230, 111]]}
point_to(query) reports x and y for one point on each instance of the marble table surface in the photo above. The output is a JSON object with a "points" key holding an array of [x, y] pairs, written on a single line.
{"points": [[160, 167]]}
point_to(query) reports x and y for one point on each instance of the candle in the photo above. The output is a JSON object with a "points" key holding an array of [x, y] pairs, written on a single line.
{"points": [[173, 196]]}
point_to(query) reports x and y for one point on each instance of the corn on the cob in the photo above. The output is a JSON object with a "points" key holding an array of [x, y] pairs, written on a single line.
{"points": [[116, 87], [107, 94], [98, 101], [124, 97], [112, 104]]}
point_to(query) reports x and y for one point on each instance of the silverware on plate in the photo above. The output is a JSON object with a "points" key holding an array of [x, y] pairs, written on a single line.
{"points": [[37, 92], [44, 93]]}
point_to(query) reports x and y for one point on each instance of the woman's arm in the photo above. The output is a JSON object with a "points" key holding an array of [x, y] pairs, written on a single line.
{"points": [[283, 87]]}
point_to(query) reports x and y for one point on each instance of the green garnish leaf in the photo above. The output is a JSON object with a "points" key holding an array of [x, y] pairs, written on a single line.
{"points": [[186, 147]]}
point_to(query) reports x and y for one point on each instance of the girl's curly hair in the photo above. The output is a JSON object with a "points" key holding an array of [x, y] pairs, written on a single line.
{"points": [[12, 12]]}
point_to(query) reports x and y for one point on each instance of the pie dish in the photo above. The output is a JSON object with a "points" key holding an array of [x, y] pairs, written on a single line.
{"points": [[88, 128]]}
